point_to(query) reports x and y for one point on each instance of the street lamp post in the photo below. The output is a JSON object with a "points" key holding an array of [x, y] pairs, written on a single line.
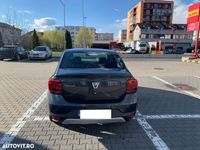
{"points": [[83, 19], [64, 11], [83, 13]]}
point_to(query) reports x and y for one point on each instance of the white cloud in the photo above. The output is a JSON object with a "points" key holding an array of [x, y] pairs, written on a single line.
{"points": [[44, 22], [3, 16], [99, 30], [120, 23], [117, 10], [25, 11], [181, 11]]}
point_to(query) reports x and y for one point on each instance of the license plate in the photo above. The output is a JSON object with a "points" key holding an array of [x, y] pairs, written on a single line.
{"points": [[95, 114]]}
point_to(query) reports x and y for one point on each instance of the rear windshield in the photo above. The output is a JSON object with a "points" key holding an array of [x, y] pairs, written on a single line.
{"points": [[91, 60], [39, 49]]}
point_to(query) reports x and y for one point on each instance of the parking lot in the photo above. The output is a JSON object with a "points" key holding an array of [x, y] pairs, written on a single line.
{"points": [[168, 114]]}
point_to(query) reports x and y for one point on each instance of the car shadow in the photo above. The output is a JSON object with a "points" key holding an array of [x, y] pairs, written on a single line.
{"points": [[23, 142], [130, 135]]}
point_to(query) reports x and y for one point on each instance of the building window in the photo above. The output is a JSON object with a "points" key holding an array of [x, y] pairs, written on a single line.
{"points": [[167, 36], [166, 6], [143, 36], [148, 5], [148, 12], [155, 5]]}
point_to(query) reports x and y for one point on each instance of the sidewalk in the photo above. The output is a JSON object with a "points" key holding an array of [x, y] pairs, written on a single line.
{"points": [[188, 58]]}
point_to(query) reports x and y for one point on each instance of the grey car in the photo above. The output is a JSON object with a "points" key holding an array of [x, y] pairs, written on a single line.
{"points": [[91, 86], [40, 52], [13, 52]]}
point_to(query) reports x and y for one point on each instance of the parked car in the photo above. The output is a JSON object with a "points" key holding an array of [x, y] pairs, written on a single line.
{"points": [[179, 50], [13, 52], [91, 85], [190, 49], [40, 52], [168, 50], [129, 50]]}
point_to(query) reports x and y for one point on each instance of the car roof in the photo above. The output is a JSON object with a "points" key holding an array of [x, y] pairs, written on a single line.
{"points": [[89, 50]]}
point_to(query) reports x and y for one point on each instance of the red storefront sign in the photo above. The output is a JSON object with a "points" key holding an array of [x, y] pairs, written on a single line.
{"points": [[193, 23], [193, 17], [192, 27]]}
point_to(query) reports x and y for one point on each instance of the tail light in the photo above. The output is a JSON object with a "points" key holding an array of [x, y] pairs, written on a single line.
{"points": [[55, 86], [131, 86], [55, 118]]}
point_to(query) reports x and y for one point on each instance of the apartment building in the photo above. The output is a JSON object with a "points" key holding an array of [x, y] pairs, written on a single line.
{"points": [[74, 31], [154, 12], [122, 36], [174, 35], [10, 34], [104, 36]]}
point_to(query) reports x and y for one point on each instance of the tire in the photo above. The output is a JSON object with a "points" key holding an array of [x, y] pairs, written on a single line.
{"points": [[17, 57], [46, 57]]}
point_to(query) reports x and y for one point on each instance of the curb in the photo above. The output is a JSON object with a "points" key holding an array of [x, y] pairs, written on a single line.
{"points": [[165, 56], [191, 61]]}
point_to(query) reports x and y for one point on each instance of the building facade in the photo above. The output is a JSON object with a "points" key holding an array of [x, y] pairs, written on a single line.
{"points": [[10, 34], [122, 36], [74, 31], [175, 36], [104, 36], [152, 12]]}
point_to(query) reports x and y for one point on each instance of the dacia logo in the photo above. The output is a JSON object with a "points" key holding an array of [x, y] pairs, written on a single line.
{"points": [[95, 85]]}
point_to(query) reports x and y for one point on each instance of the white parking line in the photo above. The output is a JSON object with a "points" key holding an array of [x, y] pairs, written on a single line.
{"points": [[38, 118], [12, 133], [180, 90], [195, 116], [197, 77], [153, 136]]}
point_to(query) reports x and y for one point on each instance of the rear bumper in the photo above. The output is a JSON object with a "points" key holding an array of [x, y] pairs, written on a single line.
{"points": [[36, 57], [90, 121], [58, 106]]}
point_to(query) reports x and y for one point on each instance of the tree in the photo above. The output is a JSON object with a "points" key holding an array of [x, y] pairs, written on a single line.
{"points": [[35, 39], [1, 41], [53, 39], [68, 39], [84, 38]]}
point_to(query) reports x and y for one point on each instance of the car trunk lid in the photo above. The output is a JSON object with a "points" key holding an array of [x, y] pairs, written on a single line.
{"points": [[93, 85]]}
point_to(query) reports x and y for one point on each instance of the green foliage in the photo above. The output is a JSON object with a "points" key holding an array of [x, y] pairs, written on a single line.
{"points": [[53, 39], [1, 41], [68, 39], [84, 38], [35, 39]]}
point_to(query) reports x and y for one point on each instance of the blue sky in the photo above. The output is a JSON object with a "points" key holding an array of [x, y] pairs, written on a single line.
{"points": [[104, 15]]}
